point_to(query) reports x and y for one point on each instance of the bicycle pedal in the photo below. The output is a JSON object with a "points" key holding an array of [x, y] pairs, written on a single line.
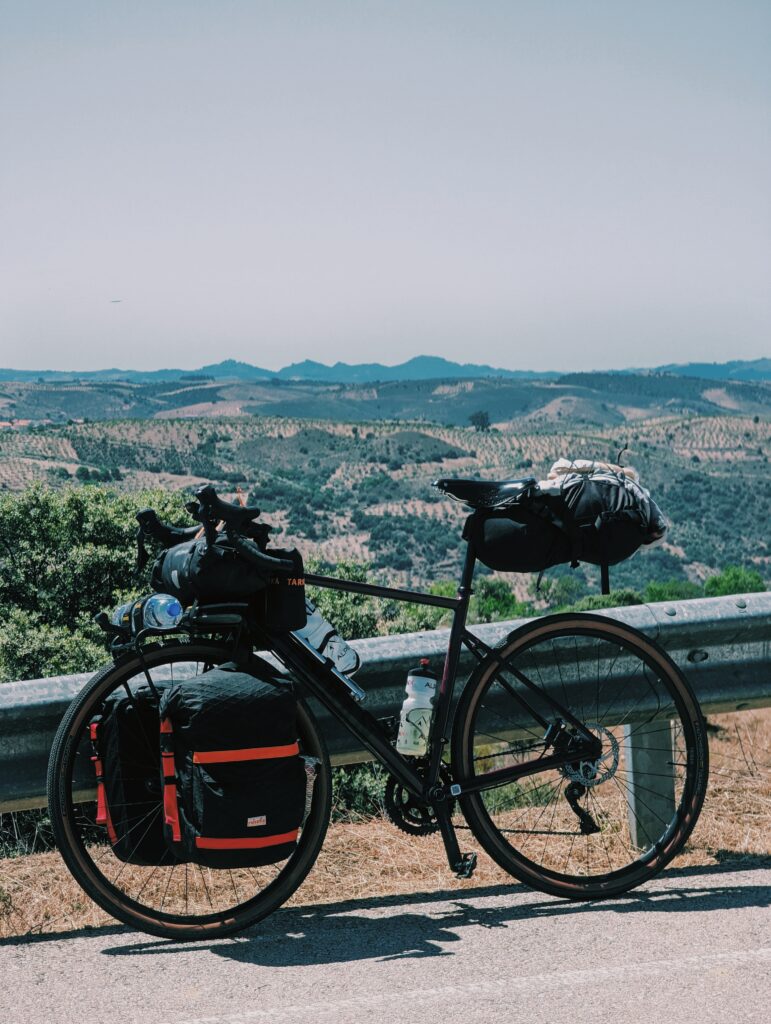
{"points": [[466, 866]]}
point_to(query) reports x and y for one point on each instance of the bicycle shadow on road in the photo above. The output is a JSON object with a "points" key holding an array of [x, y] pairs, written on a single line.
{"points": [[385, 929]]}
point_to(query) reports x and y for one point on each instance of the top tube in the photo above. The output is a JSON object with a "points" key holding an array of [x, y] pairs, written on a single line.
{"points": [[374, 590]]}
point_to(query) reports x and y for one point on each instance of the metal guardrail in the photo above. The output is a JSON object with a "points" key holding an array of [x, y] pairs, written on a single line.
{"points": [[722, 644]]}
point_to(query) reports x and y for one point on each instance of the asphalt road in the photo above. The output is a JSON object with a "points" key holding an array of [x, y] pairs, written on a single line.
{"points": [[693, 946]]}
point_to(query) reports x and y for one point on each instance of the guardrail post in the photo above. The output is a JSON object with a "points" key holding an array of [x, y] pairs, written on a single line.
{"points": [[650, 779]]}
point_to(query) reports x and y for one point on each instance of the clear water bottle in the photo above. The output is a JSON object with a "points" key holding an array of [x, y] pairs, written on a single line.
{"points": [[321, 634], [417, 711], [161, 611], [157, 611], [123, 616]]}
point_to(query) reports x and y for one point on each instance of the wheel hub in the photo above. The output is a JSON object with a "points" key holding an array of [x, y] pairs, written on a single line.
{"points": [[592, 773]]}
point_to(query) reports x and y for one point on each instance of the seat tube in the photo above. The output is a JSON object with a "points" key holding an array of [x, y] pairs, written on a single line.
{"points": [[452, 658]]}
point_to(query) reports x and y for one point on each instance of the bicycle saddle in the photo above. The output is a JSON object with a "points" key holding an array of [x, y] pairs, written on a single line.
{"points": [[481, 494]]}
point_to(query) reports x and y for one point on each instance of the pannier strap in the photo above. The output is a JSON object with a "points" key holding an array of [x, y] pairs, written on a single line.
{"points": [[170, 806], [207, 843], [245, 754], [102, 808]]}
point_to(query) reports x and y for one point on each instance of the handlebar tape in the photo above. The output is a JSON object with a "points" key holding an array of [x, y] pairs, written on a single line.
{"points": [[225, 510], [168, 535]]}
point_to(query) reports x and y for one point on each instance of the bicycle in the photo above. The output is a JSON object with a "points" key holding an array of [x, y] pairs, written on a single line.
{"points": [[534, 759]]}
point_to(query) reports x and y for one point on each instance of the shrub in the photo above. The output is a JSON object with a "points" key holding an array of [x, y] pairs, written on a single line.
{"points": [[671, 590], [734, 580], [67, 554]]}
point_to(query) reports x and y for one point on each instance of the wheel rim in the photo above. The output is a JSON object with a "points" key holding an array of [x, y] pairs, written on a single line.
{"points": [[617, 824], [181, 895]]}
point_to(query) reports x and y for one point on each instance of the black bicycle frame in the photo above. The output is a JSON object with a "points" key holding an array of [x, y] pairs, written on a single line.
{"points": [[318, 677]]}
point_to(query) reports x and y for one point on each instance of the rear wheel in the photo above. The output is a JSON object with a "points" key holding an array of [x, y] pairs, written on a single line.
{"points": [[594, 828], [180, 901]]}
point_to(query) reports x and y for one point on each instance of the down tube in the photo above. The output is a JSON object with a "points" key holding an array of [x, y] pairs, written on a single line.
{"points": [[364, 726]]}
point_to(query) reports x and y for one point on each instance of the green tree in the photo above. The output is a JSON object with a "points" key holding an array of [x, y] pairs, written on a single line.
{"points": [[64, 555], [494, 601], [734, 580], [480, 420], [615, 599]]}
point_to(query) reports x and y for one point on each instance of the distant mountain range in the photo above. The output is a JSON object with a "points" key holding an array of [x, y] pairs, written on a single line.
{"points": [[738, 369], [419, 368]]}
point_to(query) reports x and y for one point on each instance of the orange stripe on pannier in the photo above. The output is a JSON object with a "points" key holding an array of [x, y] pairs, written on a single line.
{"points": [[204, 843], [103, 816], [245, 754], [170, 805]]}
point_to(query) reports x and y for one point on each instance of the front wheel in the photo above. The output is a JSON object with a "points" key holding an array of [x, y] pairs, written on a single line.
{"points": [[587, 828], [173, 900]]}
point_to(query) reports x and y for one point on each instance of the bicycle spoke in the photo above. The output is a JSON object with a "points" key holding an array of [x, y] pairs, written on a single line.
{"points": [[577, 822], [147, 880]]}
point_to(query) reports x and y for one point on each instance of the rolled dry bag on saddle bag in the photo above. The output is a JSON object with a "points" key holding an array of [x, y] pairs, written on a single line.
{"points": [[234, 783], [126, 753]]}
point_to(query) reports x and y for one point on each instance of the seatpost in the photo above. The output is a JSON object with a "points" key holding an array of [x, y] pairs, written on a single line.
{"points": [[451, 662]]}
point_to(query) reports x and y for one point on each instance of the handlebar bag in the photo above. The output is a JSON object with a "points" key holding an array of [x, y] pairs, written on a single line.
{"points": [[234, 781], [126, 753], [285, 595], [209, 572]]}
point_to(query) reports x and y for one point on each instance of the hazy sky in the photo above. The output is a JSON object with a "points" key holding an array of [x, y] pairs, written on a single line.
{"points": [[537, 185]]}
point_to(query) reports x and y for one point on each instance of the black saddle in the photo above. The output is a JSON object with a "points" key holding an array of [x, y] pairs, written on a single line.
{"points": [[487, 494]]}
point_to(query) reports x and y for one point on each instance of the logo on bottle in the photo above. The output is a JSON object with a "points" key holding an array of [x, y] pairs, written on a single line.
{"points": [[420, 720]]}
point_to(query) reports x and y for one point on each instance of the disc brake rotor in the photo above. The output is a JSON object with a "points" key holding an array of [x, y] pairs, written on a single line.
{"points": [[592, 773]]}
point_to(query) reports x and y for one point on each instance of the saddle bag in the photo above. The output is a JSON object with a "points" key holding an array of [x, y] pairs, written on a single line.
{"points": [[234, 783], [605, 511], [126, 753], [597, 513], [517, 540]]}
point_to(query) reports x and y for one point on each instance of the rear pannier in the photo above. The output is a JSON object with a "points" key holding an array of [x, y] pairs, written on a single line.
{"points": [[234, 783]]}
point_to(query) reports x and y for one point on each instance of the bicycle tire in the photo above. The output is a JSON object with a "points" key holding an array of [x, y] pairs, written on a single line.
{"points": [[515, 823], [124, 891]]}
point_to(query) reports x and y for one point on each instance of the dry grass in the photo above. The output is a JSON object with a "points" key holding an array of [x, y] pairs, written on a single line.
{"points": [[374, 859]]}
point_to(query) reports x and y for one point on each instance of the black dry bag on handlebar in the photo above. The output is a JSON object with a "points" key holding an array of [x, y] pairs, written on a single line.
{"points": [[197, 570]]}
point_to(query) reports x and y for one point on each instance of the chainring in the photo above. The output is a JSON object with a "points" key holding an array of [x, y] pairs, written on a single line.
{"points": [[407, 812]]}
